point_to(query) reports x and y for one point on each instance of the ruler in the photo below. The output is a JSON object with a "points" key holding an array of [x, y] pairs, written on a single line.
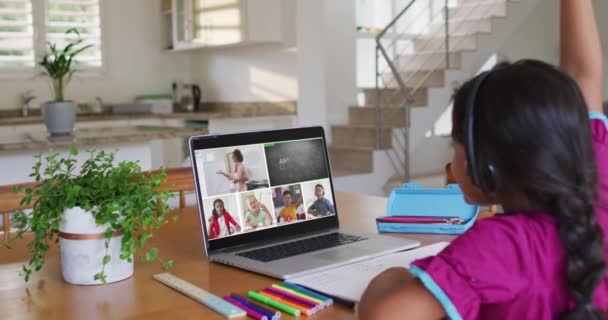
{"points": [[214, 302]]}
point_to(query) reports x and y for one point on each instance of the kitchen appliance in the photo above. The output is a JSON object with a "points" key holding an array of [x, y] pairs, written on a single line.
{"points": [[186, 97]]}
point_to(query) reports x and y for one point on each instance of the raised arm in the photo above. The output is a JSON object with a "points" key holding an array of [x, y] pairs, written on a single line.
{"points": [[581, 50]]}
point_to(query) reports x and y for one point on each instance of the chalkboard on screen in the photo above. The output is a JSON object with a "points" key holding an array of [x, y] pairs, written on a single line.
{"points": [[296, 161]]}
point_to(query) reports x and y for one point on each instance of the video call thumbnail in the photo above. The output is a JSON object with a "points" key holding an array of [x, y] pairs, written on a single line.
{"points": [[288, 203], [234, 169], [296, 161], [318, 199]]}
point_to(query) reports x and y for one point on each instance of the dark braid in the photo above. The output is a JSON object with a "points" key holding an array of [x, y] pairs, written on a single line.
{"points": [[531, 123]]}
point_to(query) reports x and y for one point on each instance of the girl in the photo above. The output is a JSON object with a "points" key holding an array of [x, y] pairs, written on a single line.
{"points": [[522, 138], [257, 214], [239, 175], [220, 221]]}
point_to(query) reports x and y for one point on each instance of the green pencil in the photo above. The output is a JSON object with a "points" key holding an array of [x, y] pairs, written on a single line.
{"points": [[265, 300]]}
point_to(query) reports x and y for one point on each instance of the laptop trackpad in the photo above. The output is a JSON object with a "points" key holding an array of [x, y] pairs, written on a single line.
{"points": [[342, 254]]}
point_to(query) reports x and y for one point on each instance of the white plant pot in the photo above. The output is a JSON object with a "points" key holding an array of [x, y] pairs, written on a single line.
{"points": [[81, 245]]}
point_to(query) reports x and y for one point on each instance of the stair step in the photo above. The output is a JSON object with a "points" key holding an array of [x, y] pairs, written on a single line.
{"points": [[456, 43], [427, 61], [366, 116], [345, 173], [393, 97], [463, 26], [351, 159], [469, 2], [479, 10], [361, 136]]}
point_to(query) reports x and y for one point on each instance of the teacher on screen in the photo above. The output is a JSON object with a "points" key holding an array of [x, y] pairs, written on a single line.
{"points": [[238, 176]]}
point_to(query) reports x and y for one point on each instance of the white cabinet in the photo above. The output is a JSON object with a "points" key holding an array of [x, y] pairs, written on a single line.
{"points": [[215, 23], [6, 130], [30, 128]]}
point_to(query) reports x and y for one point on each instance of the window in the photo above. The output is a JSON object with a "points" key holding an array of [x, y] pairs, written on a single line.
{"points": [[27, 25], [16, 34]]}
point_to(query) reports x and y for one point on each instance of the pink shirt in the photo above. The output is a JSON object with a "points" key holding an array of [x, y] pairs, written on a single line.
{"points": [[512, 266], [239, 173]]}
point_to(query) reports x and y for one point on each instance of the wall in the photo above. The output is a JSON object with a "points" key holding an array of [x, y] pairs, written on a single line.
{"points": [[136, 63], [538, 36], [326, 62], [261, 72]]}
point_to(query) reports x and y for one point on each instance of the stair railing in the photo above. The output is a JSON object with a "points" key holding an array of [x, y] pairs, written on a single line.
{"points": [[387, 43]]}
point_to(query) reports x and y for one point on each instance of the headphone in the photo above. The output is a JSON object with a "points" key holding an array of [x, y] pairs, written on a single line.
{"points": [[483, 175]]}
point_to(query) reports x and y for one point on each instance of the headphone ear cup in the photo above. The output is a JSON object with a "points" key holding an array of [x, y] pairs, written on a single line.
{"points": [[490, 179]]}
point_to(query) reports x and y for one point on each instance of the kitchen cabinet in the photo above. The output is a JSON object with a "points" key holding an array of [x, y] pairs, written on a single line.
{"points": [[215, 23]]}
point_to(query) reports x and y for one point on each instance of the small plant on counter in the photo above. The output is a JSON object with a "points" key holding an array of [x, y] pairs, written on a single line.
{"points": [[124, 202], [57, 63]]}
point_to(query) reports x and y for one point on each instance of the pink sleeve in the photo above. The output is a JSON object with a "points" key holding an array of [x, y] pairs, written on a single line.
{"points": [[241, 172], [484, 265]]}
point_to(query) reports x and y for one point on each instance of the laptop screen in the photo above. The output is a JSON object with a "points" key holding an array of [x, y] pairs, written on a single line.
{"points": [[250, 189]]}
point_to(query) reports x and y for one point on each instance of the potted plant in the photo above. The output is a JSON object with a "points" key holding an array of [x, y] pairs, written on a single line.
{"points": [[100, 212], [59, 114]]}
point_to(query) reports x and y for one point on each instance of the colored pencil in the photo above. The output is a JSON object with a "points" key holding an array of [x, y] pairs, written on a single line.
{"points": [[273, 303], [269, 313], [250, 311]]}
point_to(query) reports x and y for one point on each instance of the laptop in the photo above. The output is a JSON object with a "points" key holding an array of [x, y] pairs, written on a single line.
{"points": [[267, 204]]}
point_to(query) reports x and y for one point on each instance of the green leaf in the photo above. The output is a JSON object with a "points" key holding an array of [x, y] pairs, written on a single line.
{"points": [[142, 238], [106, 259], [74, 151], [168, 264], [152, 254]]}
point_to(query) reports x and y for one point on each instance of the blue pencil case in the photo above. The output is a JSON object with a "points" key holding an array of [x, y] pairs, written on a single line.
{"points": [[413, 201]]}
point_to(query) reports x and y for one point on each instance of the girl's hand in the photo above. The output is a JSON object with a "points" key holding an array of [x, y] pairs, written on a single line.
{"points": [[263, 207]]}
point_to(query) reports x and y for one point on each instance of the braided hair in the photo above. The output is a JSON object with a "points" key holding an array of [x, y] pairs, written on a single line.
{"points": [[531, 124]]}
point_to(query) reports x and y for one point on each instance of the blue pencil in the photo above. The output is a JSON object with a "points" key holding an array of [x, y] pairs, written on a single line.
{"points": [[296, 287], [268, 313]]}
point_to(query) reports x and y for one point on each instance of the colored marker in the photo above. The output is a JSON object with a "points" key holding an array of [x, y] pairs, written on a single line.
{"points": [[269, 313], [271, 302], [250, 312], [295, 298], [308, 292], [303, 309], [299, 294], [294, 304]]}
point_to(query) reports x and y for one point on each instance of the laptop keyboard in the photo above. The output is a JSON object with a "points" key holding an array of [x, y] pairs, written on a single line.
{"points": [[295, 248]]}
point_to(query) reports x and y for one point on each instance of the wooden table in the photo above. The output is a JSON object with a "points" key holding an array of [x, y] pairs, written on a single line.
{"points": [[46, 296]]}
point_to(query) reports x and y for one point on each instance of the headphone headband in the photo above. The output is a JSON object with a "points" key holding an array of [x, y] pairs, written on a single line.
{"points": [[469, 129]]}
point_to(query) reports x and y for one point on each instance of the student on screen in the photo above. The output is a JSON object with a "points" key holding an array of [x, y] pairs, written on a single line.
{"points": [[321, 207], [220, 222], [238, 176], [257, 214], [289, 212]]}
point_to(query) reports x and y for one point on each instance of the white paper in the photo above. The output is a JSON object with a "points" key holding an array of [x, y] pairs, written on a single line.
{"points": [[350, 281]]}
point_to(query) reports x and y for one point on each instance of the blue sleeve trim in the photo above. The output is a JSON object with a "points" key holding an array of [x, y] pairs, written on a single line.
{"points": [[599, 116], [436, 291]]}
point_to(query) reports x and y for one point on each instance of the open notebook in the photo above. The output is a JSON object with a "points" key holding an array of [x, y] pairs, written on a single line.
{"points": [[349, 282]]}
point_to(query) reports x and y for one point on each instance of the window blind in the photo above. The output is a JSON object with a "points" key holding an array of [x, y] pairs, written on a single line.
{"points": [[83, 15], [16, 34]]}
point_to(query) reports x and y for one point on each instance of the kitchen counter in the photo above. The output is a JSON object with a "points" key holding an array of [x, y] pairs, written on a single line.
{"points": [[212, 110], [89, 137]]}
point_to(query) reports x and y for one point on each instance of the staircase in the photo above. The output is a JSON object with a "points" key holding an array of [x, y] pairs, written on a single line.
{"points": [[416, 77]]}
